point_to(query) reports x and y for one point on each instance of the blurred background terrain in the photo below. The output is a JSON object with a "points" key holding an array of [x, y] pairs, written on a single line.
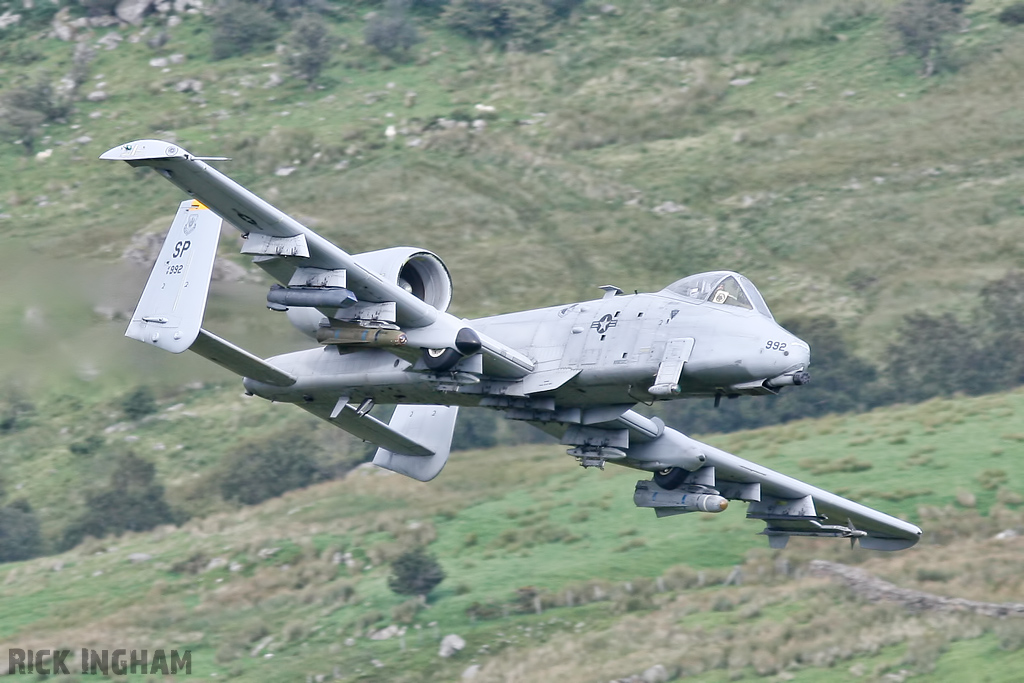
{"points": [[860, 161]]}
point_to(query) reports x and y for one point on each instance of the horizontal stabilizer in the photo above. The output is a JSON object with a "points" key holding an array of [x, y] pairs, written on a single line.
{"points": [[238, 360], [171, 309], [431, 426]]}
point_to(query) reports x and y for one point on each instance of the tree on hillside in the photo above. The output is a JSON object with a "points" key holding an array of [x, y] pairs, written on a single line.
{"points": [[240, 27], [923, 29], [415, 573], [310, 48], [131, 500], [937, 355], [392, 31], [20, 538], [505, 21], [265, 467], [25, 107]]}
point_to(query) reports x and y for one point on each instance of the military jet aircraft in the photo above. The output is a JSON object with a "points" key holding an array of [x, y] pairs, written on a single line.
{"points": [[576, 371]]}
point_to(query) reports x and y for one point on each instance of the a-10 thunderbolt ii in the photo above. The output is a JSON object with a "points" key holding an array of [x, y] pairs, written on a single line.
{"points": [[575, 371]]}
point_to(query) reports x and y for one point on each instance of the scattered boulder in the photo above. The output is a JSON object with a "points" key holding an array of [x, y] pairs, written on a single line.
{"points": [[136, 558], [740, 82], [158, 62], [97, 96], [668, 207], [450, 645], [655, 674], [386, 633], [189, 85], [216, 563], [9, 18], [45, 154], [111, 40], [471, 672], [132, 11], [61, 25], [176, 58]]}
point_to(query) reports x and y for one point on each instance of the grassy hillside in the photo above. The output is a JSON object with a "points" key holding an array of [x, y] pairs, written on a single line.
{"points": [[639, 144], [305, 575], [801, 150]]}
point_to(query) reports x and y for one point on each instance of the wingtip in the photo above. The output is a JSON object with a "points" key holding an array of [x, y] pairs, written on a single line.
{"points": [[144, 149]]}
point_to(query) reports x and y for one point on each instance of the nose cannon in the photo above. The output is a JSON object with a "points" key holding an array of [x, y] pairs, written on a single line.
{"points": [[796, 378]]}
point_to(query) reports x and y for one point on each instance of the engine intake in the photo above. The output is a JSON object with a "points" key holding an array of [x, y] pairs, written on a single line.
{"points": [[420, 272]]}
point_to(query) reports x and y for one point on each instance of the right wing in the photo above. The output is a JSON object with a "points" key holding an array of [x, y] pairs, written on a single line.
{"points": [[788, 506], [272, 233]]}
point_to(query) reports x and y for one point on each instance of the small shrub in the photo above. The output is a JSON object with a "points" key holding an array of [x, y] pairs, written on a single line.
{"points": [[990, 480], [415, 573], [294, 631], [484, 611], [405, 613], [139, 403], [501, 20], [932, 574], [1010, 633], [579, 516], [87, 446], [1012, 15], [923, 27], [392, 31], [239, 27], [310, 48]]}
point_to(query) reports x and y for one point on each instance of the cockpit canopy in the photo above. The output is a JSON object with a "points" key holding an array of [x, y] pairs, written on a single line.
{"points": [[721, 287]]}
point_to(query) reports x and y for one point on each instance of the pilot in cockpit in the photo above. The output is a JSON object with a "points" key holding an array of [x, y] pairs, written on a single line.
{"points": [[729, 292]]}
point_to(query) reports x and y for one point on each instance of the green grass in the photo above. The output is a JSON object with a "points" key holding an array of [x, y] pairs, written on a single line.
{"points": [[840, 181], [506, 519], [777, 203]]}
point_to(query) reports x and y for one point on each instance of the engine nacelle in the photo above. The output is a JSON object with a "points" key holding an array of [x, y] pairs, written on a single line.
{"points": [[417, 271]]}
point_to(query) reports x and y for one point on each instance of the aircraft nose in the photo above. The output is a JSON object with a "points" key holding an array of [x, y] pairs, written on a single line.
{"points": [[799, 352], [792, 367]]}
